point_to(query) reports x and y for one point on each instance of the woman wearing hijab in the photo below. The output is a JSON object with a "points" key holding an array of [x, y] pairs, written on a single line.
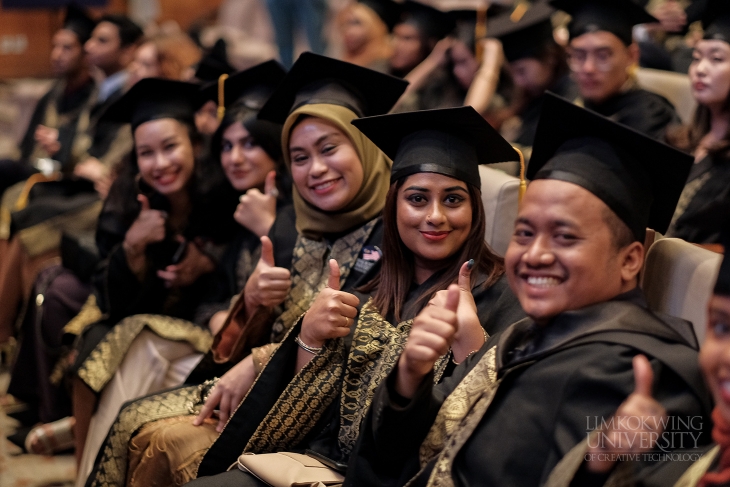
{"points": [[340, 181]]}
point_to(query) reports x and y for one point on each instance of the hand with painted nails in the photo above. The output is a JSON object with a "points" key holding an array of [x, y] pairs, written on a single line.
{"points": [[430, 338], [469, 335], [636, 426], [256, 210]]}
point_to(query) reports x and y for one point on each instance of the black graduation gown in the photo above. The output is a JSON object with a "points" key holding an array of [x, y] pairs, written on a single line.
{"points": [[564, 87], [707, 211], [641, 110], [69, 105], [555, 379], [497, 308]]}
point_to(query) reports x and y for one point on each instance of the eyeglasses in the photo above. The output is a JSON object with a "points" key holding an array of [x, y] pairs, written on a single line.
{"points": [[603, 59]]}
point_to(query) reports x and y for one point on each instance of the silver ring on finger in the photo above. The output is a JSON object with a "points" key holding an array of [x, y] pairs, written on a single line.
{"points": [[274, 192]]}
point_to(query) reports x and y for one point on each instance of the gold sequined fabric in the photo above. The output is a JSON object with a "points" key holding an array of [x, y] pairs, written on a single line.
{"points": [[111, 471], [688, 194], [104, 360]]}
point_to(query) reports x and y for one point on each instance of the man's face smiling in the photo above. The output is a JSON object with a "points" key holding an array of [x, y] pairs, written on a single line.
{"points": [[562, 254]]}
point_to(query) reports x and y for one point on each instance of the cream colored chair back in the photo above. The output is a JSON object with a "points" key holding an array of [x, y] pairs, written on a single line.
{"points": [[675, 87], [499, 197], [678, 279]]}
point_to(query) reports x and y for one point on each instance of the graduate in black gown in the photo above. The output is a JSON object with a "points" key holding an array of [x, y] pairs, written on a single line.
{"points": [[705, 201], [433, 199], [602, 57], [536, 64], [511, 412]]}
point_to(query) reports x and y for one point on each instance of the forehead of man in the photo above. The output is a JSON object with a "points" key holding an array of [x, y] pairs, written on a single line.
{"points": [[550, 203], [600, 39]]}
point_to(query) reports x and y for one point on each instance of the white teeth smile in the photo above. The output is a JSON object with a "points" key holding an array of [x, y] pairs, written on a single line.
{"points": [[543, 281], [323, 185]]}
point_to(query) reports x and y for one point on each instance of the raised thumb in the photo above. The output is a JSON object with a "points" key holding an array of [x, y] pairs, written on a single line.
{"points": [[465, 275], [452, 298], [270, 182], [334, 280], [143, 201], [267, 251], [643, 376]]}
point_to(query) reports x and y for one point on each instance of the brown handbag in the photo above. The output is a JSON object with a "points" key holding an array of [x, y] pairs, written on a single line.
{"points": [[286, 469]]}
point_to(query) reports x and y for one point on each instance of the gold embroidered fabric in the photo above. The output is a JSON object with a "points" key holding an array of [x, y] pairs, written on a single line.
{"points": [[89, 314], [104, 360], [302, 403], [688, 194], [112, 469], [459, 415], [310, 271]]}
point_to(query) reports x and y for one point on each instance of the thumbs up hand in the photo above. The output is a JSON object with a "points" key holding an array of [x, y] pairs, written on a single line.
{"points": [[149, 227], [636, 426], [469, 335], [332, 313], [431, 335], [268, 285], [256, 210]]}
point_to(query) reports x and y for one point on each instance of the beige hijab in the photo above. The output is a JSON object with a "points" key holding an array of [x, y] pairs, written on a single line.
{"points": [[369, 200]]}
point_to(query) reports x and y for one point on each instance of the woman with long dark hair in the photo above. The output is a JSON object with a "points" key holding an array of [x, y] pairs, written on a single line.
{"points": [[705, 201]]}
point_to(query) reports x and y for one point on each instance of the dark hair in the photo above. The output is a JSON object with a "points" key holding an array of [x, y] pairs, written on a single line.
{"points": [[129, 32], [397, 272], [266, 135], [621, 234], [688, 137]]}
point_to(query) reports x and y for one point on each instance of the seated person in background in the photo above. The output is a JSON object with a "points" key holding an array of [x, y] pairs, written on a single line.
{"points": [[514, 409], [602, 57], [364, 27], [705, 201], [169, 56], [61, 111], [340, 180], [536, 63], [211, 67], [438, 195]]}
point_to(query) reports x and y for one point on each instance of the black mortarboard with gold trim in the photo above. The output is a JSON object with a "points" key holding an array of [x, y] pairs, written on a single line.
{"points": [[524, 33], [638, 177], [78, 22], [716, 20], [615, 16], [450, 141], [215, 63], [252, 86], [154, 99], [316, 79]]}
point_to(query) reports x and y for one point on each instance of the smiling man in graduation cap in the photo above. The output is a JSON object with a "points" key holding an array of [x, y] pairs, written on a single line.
{"points": [[513, 409], [603, 56]]}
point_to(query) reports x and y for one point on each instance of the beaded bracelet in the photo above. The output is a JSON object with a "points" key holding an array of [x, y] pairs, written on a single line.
{"points": [[307, 348], [470, 353]]}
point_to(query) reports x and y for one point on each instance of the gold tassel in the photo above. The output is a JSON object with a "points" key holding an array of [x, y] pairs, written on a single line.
{"points": [[222, 96], [519, 11], [480, 33]]}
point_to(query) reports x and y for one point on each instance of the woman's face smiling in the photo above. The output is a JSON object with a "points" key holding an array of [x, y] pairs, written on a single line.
{"points": [[245, 163], [434, 217], [165, 155], [715, 353], [325, 166]]}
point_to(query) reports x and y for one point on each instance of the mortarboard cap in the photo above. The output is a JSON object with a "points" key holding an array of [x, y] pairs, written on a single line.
{"points": [[318, 79], [78, 21], [252, 86], [214, 63], [450, 141], [615, 16], [526, 35], [716, 20], [431, 22], [153, 99], [640, 179], [388, 10]]}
